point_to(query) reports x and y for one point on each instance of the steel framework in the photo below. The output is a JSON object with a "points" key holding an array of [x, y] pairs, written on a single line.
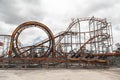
{"points": [[86, 41], [97, 39], [4, 45]]}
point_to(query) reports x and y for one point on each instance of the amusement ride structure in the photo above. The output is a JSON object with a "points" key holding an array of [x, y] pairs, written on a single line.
{"points": [[86, 41]]}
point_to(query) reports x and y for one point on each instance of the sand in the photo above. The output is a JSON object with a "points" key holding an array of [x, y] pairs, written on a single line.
{"points": [[61, 74]]}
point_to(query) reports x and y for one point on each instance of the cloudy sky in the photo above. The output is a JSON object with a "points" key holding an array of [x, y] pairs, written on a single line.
{"points": [[57, 14]]}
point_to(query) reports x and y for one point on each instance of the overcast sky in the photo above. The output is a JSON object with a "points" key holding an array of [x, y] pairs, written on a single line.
{"points": [[57, 14]]}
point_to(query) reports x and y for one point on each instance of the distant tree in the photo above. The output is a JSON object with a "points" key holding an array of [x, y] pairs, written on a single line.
{"points": [[118, 46]]}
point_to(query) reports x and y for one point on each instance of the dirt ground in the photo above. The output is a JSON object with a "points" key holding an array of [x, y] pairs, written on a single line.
{"points": [[61, 74]]}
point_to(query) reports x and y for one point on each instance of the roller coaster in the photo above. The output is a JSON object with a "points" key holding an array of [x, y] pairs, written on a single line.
{"points": [[87, 41]]}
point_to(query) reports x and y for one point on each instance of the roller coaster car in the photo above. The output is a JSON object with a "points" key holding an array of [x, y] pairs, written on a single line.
{"points": [[102, 59], [88, 58], [91, 59]]}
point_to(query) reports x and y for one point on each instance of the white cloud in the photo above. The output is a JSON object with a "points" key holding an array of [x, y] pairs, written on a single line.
{"points": [[56, 14], [6, 28]]}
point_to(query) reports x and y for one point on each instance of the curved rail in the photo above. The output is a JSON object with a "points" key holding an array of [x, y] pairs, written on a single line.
{"points": [[105, 35], [20, 28], [83, 19]]}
